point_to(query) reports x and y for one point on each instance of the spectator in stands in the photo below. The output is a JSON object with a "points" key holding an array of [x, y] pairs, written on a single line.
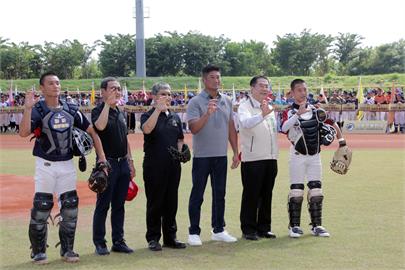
{"points": [[131, 120], [289, 98], [399, 117], [370, 101], [4, 118], [380, 98], [311, 99], [335, 115]]}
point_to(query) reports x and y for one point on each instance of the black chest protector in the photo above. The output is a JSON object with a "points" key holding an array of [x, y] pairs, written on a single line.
{"points": [[55, 142], [309, 143]]}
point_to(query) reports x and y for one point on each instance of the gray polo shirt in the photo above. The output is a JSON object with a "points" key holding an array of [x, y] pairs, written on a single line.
{"points": [[212, 139]]}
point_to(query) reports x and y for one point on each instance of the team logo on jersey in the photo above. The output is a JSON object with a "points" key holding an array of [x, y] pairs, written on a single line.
{"points": [[174, 123], [59, 122]]}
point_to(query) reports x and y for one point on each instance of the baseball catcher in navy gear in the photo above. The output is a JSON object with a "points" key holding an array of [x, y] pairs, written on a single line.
{"points": [[53, 122], [307, 127]]}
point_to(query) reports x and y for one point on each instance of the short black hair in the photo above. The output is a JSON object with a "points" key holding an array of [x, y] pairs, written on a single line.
{"points": [[105, 81], [295, 82], [48, 73], [208, 68], [253, 81]]}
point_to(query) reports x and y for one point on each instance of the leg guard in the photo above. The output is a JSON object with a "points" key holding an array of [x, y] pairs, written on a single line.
{"points": [[295, 198], [315, 198], [68, 220], [38, 230]]}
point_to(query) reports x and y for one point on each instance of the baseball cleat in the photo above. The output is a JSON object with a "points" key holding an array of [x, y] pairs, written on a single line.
{"points": [[319, 231], [39, 258], [295, 232]]}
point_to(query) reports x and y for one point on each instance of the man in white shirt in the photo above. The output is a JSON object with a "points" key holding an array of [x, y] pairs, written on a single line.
{"points": [[258, 137]]}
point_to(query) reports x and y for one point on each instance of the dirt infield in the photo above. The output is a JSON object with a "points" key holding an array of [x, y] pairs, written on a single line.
{"points": [[18, 204], [14, 204], [356, 141]]}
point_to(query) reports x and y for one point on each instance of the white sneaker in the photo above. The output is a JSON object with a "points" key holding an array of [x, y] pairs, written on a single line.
{"points": [[295, 232], [194, 240], [320, 231], [224, 237]]}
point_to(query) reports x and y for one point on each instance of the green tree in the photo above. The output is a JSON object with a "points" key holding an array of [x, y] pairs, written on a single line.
{"points": [[298, 54], [19, 61], [199, 50], [247, 58], [118, 54], [362, 62], [164, 55], [389, 58], [89, 70], [346, 49], [64, 58]]}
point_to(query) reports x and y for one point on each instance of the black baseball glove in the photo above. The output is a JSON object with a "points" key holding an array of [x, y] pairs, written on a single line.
{"points": [[98, 180], [183, 156]]}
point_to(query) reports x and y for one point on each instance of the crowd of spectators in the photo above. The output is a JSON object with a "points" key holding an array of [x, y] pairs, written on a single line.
{"points": [[9, 122]]}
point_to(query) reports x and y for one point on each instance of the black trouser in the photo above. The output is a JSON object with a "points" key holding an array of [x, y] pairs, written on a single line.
{"points": [[131, 121], [161, 188], [258, 179], [115, 194]]}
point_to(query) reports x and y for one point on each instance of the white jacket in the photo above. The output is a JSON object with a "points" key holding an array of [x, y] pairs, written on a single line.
{"points": [[258, 135]]}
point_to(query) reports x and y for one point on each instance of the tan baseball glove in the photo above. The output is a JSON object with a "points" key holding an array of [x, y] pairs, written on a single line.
{"points": [[341, 160]]}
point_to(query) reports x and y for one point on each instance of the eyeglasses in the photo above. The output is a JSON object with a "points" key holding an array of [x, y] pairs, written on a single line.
{"points": [[165, 94], [115, 88]]}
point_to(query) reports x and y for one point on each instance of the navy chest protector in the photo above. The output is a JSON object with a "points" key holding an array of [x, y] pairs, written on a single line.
{"points": [[55, 141]]}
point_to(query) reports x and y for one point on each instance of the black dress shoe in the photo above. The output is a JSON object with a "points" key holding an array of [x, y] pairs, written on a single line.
{"points": [[266, 235], [102, 250], [176, 244], [120, 246], [154, 245], [250, 236]]}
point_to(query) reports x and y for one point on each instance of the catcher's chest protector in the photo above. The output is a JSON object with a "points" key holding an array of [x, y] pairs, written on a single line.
{"points": [[310, 141], [56, 138]]}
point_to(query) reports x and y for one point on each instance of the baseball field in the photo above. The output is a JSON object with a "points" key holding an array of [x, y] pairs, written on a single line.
{"points": [[364, 211]]}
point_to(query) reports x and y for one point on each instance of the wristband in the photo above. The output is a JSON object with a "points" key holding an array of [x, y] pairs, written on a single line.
{"points": [[342, 142]]}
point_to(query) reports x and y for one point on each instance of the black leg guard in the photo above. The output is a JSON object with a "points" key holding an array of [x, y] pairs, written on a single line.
{"points": [[67, 225], [315, 199], [38, 230], [295, 199]]}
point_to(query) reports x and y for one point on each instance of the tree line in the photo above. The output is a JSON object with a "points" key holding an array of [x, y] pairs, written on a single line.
{"points": [[175, 54]]}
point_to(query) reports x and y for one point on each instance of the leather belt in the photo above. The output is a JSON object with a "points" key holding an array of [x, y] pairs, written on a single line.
{"points": [[117, 159]]}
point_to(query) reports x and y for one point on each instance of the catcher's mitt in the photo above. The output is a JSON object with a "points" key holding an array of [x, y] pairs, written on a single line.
{"points": [[98, 180], [182, 156], [341, 160]]}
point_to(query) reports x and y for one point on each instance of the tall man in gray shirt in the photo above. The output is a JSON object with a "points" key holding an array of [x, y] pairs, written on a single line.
{"points": [[209, 116]]}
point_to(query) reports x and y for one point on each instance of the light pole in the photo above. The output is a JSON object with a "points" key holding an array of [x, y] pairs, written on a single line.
{"points": [[140, 40]]}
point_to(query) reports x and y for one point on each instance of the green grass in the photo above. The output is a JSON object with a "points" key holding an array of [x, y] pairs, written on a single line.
{"points": [[363, 210], [241, 83]]}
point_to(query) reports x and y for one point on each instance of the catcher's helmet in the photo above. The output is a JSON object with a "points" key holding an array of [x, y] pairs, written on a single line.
{"points": [[321, 115], [82, 142], [327, 134], [132, 191]]}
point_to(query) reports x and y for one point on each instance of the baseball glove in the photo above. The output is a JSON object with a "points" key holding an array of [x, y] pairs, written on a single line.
{"points": [[98, 180], [341, 160], [183, 156]]}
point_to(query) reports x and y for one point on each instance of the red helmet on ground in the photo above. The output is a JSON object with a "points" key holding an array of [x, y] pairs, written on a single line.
{"points": [[132, 191]]}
